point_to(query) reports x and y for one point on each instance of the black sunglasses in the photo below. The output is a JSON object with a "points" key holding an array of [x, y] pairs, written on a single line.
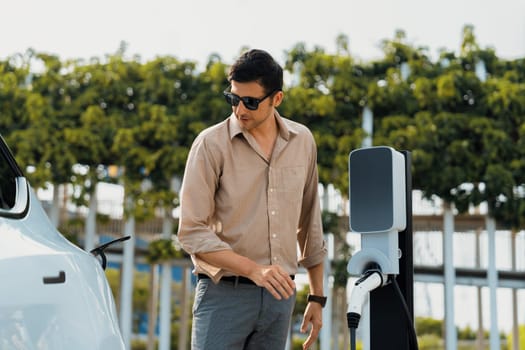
{"points": [[251, 103]]}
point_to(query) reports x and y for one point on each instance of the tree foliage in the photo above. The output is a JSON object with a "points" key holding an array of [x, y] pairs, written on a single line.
{"points": [[462, 116]]}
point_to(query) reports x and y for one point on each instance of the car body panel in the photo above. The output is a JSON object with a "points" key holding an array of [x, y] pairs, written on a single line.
{"points": [[54, 295]]}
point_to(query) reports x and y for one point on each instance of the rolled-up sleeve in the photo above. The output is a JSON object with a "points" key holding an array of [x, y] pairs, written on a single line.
{"points": [[201, 177], [310, 231]]}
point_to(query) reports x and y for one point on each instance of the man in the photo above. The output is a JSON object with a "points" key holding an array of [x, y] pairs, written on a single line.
{"points": [[249, 198]]}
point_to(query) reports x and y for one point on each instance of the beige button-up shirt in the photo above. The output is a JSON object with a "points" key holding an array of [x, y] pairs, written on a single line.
{"points": [[232, 197]]}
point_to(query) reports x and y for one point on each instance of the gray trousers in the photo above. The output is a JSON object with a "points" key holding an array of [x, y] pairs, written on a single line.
{"points": [[229, 316]]}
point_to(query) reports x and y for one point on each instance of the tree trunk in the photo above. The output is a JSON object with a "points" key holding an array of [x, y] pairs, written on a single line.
{"points": [[165, 289], [63, 214], [492, 277], [54, 213], [90, 229], [450, 276], [152, 305], [185, 303], [344, 329], [480, 334], [340, 336], [126, 286], [515, 324]]}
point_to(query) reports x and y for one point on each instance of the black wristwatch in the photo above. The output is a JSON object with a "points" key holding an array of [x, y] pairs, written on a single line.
{"points": [[317, 299]]}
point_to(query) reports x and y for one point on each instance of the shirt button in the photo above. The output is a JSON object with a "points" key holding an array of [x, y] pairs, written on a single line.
{"points": [[271, 189], [273, 212], [274, 258], [274, 235]]}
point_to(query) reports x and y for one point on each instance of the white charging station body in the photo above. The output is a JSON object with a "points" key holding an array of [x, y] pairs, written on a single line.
{"points": [[377, 193]]}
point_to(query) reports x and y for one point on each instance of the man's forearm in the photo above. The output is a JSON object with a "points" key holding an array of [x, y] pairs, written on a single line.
{"points": [[229, 260], [315, 277]]}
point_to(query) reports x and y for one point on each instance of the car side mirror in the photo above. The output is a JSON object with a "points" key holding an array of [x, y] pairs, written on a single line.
{"points": [[99, 251]]}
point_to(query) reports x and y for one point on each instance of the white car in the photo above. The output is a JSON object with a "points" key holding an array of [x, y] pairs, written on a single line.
{"points": [[54, 295]]}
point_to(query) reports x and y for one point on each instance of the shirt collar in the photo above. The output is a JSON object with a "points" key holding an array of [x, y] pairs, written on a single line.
{"points": [[285, 129]]}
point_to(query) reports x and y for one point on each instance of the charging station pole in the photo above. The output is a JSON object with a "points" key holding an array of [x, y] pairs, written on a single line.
{"points": [[388, 325]]}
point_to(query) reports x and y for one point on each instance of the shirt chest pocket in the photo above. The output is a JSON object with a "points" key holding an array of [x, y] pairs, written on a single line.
{"points": [[292, 182]]}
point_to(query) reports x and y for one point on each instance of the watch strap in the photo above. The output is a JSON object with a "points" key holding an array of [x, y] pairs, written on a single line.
{"points": [[317, 299]]}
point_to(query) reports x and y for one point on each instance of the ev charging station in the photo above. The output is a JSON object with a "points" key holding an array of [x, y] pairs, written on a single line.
{"points": [[381, 212]]}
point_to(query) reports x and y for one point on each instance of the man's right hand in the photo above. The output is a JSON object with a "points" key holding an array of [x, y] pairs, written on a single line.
{"points": [[274, 279]]}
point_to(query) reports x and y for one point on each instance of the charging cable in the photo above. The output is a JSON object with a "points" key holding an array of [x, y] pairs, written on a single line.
{"points": [[371, 280], [410, 323]]}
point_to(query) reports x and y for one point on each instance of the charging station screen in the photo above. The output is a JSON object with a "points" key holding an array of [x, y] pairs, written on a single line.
{"points": [[371, 192]]}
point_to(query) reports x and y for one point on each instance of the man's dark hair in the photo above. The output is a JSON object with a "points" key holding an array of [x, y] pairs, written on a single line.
{"points": [[257, 65]]}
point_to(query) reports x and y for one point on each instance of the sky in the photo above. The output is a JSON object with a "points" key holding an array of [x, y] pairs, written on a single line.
{"points": [[194, 29]]}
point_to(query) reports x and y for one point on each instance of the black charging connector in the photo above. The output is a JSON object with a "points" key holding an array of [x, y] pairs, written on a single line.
{"points": [[352, 318]]}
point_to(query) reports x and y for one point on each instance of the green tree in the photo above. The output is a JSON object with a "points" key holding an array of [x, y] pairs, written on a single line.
{"points": [[14, 86]]}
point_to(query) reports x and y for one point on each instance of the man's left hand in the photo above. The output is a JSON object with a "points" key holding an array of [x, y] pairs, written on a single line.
{"points": [[313, 315]]}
